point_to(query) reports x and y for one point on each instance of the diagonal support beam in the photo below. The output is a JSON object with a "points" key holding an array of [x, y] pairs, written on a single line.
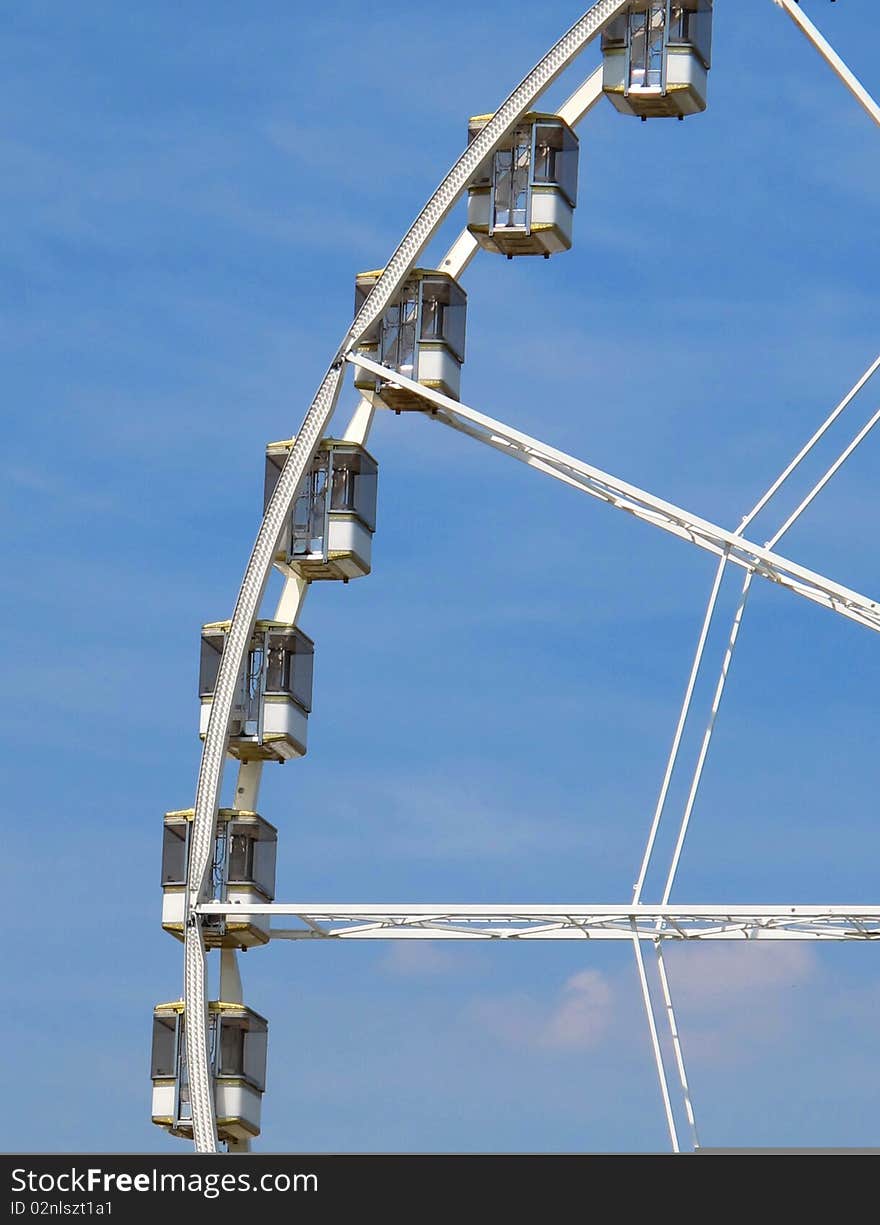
{"points": [[831, 58], [638, 502]]}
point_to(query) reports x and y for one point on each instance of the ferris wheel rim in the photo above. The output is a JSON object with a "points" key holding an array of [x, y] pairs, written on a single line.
{"points": [[256, 576], [259, 566]]}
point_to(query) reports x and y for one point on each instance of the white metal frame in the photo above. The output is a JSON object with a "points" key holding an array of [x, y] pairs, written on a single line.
{"points": [[636, 922], [346, 921], [730, 545]]}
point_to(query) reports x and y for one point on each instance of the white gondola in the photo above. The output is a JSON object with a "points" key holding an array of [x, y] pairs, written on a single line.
{"points": [[238, 1041], [243, 872], [656, 58], [421, 335], [522, 199], [271, 709], [329, 534]]}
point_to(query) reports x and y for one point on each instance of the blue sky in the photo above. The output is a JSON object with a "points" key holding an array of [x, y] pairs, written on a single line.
{"points": [[188, 194]]}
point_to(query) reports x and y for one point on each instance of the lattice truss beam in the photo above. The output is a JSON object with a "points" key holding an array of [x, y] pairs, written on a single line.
{"points": [[638, 502], [298, 921]]}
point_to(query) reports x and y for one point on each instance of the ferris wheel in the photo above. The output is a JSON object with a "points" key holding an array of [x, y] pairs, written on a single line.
{"points": [[404, 350]]}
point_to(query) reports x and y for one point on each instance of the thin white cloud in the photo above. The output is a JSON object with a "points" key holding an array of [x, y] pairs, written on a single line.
{"points": [[713, 978], [582, 1015], [440, 818], [418, 958], [577, 1019], [734, 1000]]}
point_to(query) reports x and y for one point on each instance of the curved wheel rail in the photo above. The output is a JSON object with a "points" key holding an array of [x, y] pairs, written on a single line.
{"points": [[260, 563]]}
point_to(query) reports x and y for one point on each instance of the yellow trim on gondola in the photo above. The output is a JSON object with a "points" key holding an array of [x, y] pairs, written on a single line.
{"points": [[672, 87], [259, 627], [539, 227], [225, 814], [415, 274], [530, 117], [328, 444], [213, 1006], [185, 1129]]}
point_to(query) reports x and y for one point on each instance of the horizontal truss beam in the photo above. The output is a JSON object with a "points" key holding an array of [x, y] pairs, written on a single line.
{"points": [[303, 921], [637, 502]]}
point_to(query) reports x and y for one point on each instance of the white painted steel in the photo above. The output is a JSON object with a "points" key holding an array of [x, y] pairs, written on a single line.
{"points": [[655, 1041], [811, 443], [677, 1047], [760, 505], [247, 786], [460, 254], [582, 100], [762, 502], [231, 990], [707, 737], [719, 690], [438, 921], [825, 478], [680, 726], [640, 503], [290, 603], [360, 424], [197, 1044], [259, 565], [732, 640], [830, 56]]}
